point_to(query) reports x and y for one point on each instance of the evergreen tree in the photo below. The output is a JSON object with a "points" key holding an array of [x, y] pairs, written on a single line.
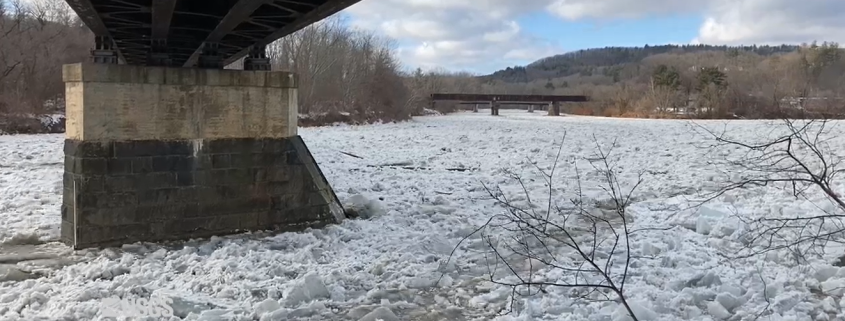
{"points": [[712, 75], [665, 76]]}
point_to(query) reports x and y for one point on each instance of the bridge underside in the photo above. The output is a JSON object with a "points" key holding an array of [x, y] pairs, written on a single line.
{"points": [[195, 33]]}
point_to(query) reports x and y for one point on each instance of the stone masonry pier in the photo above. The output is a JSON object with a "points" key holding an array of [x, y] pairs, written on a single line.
{"points": [[155, 154]]}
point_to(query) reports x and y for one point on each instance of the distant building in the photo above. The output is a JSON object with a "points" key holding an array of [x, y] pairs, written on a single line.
{"points": [[813, 103]]}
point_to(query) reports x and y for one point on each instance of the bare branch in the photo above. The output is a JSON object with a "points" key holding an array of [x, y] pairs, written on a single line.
{"points": [[587, 247], [797, 159]]}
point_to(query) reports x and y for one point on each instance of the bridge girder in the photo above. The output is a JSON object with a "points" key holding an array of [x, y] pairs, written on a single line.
{"points": [[508, 98], [180, 32]]}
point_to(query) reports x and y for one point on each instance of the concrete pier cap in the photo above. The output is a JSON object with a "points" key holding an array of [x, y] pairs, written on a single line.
{"points": [[156, 153]]}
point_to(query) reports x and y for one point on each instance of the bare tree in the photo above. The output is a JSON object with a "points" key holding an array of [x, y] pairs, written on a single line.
{"points": [[758, 80], [797, 158], [36, 38], [52, 11], [10, 26], [421, 84], [585, 243], [343, 71], [658, 100]]}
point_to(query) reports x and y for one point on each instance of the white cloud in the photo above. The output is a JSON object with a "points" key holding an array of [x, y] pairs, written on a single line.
{"points": [[469, 35], [728, 21], [773, 21], [609, 9], [483, 35]]}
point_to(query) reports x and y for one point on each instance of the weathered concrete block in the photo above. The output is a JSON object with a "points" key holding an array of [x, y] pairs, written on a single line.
{"points": [[156, 154], [122, 103], [241, 190]]}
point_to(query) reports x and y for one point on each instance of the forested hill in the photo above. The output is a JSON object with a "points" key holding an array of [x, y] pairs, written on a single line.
{"points": [[589, 61]]}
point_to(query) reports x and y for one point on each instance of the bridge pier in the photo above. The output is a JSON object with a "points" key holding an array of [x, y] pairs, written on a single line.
{"points": [[155, 154], [530, 108], [475, 108], [554, 108], [494, 108]]}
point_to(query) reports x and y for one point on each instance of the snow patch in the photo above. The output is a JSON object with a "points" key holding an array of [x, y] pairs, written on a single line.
{"points": [[310, 287], [824, 273], [642, 311], [417, 212], [380, 314], [362, 207], [24, 238], [265, 307], [835, 286], [718, 311], [716, 222], [431, 112]]}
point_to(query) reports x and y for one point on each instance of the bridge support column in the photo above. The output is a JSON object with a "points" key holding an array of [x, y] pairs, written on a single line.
{"points": [[475, 108], [494, 108], [158, 55], [210, 56], [530, 108], [154, 154], [104, 51], [257, 59], [554, 108]]}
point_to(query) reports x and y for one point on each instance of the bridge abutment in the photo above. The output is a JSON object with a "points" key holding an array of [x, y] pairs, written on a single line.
{"points": [[155, 154]]}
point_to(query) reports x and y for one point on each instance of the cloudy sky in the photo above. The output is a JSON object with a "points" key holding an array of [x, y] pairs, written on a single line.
{"points": [[486, 35]]}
